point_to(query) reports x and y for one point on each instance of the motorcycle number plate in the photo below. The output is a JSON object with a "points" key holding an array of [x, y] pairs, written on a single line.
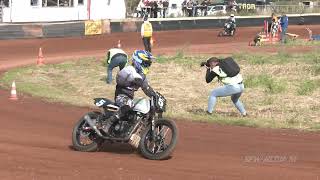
{"points": [[160, 102], [100, 103]]}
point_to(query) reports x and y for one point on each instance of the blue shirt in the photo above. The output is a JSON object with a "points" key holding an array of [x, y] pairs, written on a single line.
{"points": [[284, 22]]}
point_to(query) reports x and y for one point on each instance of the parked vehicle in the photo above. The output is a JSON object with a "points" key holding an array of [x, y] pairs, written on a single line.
{"points": [[217, 10]]}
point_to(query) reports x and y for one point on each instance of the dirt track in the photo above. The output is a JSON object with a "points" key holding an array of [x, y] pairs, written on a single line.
{"points": [[22, 52], [36, 136]]}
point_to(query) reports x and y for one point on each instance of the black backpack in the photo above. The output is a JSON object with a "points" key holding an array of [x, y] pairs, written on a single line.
{"points": [[229, 66]]}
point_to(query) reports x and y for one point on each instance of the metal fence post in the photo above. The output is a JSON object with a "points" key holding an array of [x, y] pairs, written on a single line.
{"points": [[1, 13]]}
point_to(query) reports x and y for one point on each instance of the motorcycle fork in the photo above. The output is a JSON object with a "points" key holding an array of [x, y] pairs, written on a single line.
{"points": [[153, 129]]}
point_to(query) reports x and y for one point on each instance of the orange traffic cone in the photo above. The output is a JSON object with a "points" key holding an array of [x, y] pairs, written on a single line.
{"points": [[119, 44], [40, 60], [13, 95]]}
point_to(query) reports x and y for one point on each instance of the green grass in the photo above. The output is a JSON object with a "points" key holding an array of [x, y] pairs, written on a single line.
{"points": [[219, 119], [281, 57], [308, 87], [316, 69], [276, 94], [299, 42], [269, 84]]}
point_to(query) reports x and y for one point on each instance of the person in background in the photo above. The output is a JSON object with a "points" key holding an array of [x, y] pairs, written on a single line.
{"points": [[257, 40], [160, 8], [146, 33], [233, 6], [228, 73], [313, 37], [274, 18], [140, 9], [147, 5], [165, 7], [184, 8], [154, 9], [204, 7], [274, 26], [232, 19], [116, 57], [284, 26], [195, 7], [190, 8]]}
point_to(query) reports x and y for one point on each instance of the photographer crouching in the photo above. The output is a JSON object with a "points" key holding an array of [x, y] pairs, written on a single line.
{"points": [[228, 73]]}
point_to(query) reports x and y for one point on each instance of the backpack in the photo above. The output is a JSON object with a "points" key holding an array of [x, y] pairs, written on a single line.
{"points": [[229, 66]]}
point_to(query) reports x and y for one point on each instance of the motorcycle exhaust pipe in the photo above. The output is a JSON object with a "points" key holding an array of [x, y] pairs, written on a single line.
{"points": [[92, 124], [135, 139]]}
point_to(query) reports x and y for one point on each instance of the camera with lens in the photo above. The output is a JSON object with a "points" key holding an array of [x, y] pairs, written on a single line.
{"points": [[205, 63]]}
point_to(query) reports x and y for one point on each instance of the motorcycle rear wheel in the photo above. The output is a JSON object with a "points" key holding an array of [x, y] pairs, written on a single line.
{"points": [[159, 150], [79, 131]]}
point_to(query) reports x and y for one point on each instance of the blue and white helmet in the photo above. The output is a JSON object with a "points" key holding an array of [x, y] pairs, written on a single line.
{"points": [[142, 60]]}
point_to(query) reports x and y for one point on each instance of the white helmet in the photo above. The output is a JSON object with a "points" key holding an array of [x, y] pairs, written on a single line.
{"points": [[231, 15]]}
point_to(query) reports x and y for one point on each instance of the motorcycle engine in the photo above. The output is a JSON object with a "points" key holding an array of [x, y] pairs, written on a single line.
{"points": [[121, 127], [124, 125]]}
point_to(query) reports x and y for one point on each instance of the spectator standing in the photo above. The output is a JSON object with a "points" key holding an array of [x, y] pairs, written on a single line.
{"points": [[165, 7], [233, 5], [284, 26], [184, 8], [273, 18], [190, 8], [147, 5], [195, 8], [274, 26], [204, 7], [160, 7], [146, 33], [140, 9], [154, 9], [116, 57]]}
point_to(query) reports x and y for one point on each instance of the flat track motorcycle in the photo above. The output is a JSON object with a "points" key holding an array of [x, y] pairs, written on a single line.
{"points": [[143, 127]]}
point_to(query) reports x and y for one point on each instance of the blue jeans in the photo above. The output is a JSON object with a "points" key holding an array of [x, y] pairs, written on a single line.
{"points": [[283, 35], [315, 37], [234, 91], [120, 60]]}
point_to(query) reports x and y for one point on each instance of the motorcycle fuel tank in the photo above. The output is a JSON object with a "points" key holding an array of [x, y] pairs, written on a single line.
{"points": [[141, 105]]}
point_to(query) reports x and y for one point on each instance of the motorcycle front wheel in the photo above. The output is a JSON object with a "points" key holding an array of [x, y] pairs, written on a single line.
{"points": [[83, 137], [163, 144]]}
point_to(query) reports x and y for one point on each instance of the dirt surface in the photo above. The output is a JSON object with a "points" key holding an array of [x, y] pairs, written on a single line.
{"points": [[22, 52], [35, 136]]}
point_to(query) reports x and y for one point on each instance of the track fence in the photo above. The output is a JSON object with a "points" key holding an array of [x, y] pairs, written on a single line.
{"points": [[1, 14], [221, 10]]}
